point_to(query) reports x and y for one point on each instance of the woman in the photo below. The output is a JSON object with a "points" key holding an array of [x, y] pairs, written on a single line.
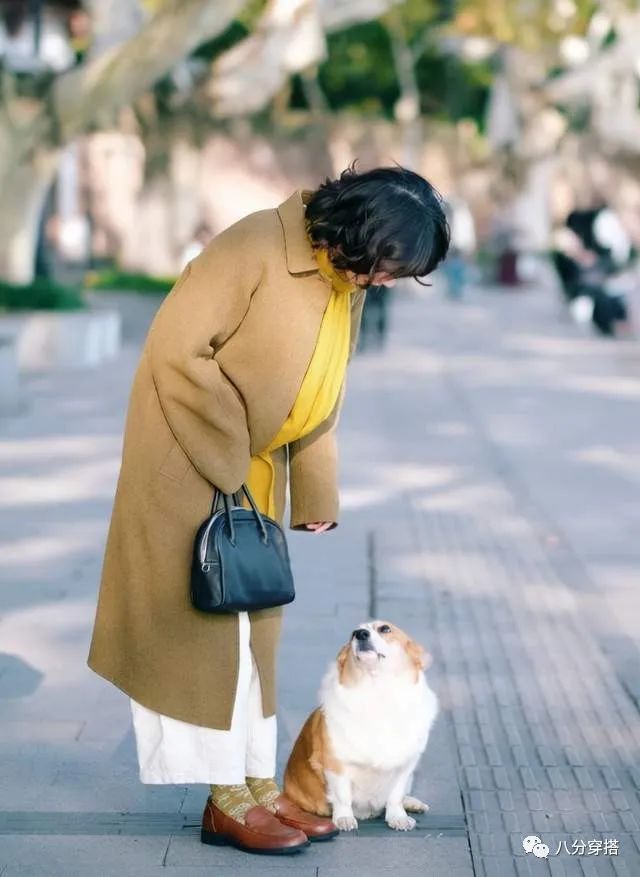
{"points": [[241, 380]]}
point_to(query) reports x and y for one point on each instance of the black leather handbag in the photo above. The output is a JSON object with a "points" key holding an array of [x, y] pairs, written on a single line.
{"points": [[240, 559]]}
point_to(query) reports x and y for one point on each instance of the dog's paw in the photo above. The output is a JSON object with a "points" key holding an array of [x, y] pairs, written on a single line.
{"points": [[401, 822], [346, 823], [414, 805]]}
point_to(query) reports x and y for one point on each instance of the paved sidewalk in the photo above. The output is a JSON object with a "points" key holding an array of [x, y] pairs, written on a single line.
{"points": [[490, 468]]}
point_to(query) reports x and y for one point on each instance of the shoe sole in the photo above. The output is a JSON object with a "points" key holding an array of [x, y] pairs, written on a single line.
{"points": [[320, 838], [222, 840]]}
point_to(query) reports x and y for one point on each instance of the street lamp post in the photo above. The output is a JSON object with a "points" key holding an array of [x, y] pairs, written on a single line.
{"points": [[36, 15]]}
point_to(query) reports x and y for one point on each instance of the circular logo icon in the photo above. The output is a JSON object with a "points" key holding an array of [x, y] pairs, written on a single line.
{"points": [[529, 842], [541, 851]]}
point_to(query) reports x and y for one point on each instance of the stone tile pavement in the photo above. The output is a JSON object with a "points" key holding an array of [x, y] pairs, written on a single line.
{"points": [[490, 464]]}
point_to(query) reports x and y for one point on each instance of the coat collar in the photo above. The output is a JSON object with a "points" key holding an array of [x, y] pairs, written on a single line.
{"points": [[299, 253]]}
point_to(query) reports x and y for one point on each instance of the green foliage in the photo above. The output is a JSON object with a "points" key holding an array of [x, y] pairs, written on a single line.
{"points": [[359, 74], [207, 52], [533, 25], [210, 50], [451, 88], [40, 295], [237, 31], [359, 71], [416, 15], [127, 281]]}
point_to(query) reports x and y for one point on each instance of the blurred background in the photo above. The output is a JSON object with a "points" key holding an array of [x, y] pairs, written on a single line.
{"points": [[131, 131], [489, 443]]}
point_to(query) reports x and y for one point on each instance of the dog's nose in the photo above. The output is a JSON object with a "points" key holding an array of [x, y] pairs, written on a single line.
{"points": [[361, 634]]}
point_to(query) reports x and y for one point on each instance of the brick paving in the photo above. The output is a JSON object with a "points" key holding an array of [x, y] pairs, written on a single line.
{"points": [[488, 470], [547, 735]]}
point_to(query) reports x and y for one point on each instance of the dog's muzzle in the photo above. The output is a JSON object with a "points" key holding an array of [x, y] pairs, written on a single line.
{"points": [[363, 640]]}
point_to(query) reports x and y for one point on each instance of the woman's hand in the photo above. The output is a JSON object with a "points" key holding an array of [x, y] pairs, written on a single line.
{"points": [[319, 526]]}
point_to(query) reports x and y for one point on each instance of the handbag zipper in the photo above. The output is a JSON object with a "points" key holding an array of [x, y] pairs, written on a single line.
{"points": [[205, 541], [203, 547]]}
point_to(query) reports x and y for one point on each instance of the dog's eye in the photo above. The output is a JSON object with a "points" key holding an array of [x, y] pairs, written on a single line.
{"points": [[384, 628]]}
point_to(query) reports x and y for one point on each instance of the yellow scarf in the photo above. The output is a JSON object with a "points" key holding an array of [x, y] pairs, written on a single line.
{"points": [[320, 387]]}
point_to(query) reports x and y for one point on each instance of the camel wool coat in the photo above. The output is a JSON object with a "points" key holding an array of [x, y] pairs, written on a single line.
{"points": [[218, 375]]}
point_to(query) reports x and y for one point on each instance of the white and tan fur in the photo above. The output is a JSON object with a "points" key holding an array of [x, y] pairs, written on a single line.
{"points": [[356, 754]]}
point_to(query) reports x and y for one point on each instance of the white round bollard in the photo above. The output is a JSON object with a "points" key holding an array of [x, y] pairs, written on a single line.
{"points": [[68, 340]]}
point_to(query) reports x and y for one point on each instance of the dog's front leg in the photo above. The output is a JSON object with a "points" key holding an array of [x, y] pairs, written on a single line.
{"points": [[411, 804], [395, 815], [340, 798]]}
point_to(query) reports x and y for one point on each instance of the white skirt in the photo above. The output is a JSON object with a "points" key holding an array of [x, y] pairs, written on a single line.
{"points": [[171, 751]]}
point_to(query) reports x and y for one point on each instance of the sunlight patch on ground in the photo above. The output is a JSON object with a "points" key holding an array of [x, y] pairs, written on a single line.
{"points": [[451, 428], [94, 480], [392, 479], [48, 636], [362, 497], [469, 494], [627, 464], [549, 345], [62, 447], [412, 476], [615, 386], [30, 551]]}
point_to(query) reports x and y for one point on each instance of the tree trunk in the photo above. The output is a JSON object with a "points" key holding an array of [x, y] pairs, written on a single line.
{"points": [[120, 74], [104, 84], [532, 209], [407, 109], [24, 189]]}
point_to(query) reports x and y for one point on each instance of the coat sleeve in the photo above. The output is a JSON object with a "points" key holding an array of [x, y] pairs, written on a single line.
{"points": [[313, 460], [203, 408]]}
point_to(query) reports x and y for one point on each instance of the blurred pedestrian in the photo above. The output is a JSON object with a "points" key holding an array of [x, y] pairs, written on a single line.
{"points": [[457, 265], [505, 241], [375, 318], [241, 376], [592, 255]]}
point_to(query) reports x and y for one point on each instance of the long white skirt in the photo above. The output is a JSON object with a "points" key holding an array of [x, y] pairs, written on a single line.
{"points": [[171, 751]]}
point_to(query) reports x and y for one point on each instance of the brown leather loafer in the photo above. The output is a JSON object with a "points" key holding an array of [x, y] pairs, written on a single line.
{"points": [[261, 833], [315, 827]]}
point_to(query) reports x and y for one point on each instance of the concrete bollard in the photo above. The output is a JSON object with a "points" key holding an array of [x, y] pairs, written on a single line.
{"points": [[51, 340], [12, 398]]}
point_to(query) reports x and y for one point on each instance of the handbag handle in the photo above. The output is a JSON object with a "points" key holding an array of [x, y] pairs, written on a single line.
{"points": [[237, 496]]}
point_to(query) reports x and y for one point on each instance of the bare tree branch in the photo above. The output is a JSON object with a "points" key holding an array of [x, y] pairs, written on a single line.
{"points": [[621, 55], [118, 76], [113, 22], [289, 38]]}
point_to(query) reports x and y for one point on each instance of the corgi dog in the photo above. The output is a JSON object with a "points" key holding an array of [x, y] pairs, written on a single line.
{"points": [[356, 754]]}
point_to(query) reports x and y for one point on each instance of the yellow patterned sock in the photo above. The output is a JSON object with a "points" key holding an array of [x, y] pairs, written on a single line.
{"points": [[235, 801], [264, 791]]}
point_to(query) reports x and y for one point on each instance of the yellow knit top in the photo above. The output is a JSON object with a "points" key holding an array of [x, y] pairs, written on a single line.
{"points": [[320, 387]]}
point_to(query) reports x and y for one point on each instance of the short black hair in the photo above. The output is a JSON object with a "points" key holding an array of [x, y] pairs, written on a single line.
{"points": [[389, 219]]}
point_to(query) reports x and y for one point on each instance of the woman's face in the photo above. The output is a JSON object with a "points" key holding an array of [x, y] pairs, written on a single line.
{"points": [[379, 279]]}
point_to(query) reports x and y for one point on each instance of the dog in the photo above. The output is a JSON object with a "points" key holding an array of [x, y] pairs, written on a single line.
{"points": [[356, 754]]}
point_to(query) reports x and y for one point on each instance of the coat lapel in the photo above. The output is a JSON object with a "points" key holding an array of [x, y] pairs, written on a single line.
{"points": [[298, 251], [283, 323]]}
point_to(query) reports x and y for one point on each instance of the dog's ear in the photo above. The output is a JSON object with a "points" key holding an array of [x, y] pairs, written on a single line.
{"points": [[418, 655], [341, 661]]}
